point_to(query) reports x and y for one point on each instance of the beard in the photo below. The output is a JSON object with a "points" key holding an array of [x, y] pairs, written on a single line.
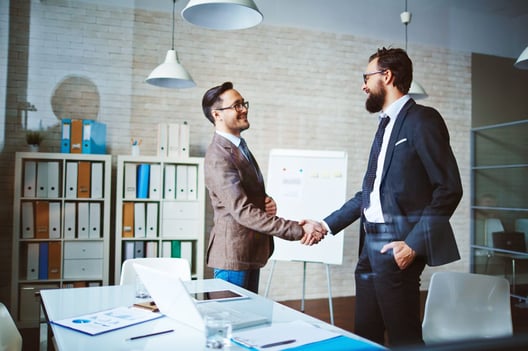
{"points": [[375, 100]]}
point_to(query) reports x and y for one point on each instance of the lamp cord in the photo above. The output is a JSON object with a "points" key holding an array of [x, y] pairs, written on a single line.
{"points": [[406, 27], [173, 10]]}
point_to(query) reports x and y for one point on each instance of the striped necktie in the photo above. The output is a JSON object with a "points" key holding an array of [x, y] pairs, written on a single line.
{"points": [[370, 176]]}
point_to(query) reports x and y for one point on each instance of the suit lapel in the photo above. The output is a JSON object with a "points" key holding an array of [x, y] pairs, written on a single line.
{"points": [[395, 134]]}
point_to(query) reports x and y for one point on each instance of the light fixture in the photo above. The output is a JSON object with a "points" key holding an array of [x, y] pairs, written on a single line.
{"points": [[416, 91], [171, 74], [522, 61], [222, 14]]}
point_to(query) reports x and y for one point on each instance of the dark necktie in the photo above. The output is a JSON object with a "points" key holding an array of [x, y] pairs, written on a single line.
{"points": [[245, 151], [370, 176]]}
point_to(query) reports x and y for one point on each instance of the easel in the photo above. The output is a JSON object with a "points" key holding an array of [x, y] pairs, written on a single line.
{"points": [[328, 281]]}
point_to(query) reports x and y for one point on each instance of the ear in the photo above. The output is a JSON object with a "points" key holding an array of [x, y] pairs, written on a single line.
{"points": [[216, 115], [388, 77]]}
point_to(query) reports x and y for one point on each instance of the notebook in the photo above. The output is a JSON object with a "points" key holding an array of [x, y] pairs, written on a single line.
{"points": [[174, 301], [513, 241]]}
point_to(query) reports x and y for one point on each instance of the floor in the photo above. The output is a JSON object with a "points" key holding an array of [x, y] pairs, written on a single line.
{"points": [[343, 316]]}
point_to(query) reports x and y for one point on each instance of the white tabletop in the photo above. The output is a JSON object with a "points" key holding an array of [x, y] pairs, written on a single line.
{"points": [[64, 303]]}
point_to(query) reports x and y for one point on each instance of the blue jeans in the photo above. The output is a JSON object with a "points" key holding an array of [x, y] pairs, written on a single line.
{"points": [[248, 279]]}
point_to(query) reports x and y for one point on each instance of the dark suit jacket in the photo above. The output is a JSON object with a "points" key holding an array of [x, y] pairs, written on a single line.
{"points": [[420, 186], [241, 237]]}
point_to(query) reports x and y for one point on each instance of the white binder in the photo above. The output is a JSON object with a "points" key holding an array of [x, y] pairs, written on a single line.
{"points": [[53, 179], [174, 140], [30, 178], [187, 251], [139, 220], [95, 220], [169, 182], [97, 180], [166, 249], [130, 181], [32, 261], [181, 182], [71, 179], [69, 220], [83, 217], [155, 182], [192, 182], [54, 220], [28, 224], [152, 220], [42, 179], [184, 140], [128, 250], [151, 249], [163, 140]]}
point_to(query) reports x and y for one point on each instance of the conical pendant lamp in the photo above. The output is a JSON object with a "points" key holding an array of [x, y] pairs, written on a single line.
{"points": [[222, 14], [522, 61], [171, 74], [416, 91]]}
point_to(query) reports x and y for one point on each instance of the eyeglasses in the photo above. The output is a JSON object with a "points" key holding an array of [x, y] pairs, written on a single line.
{"points": [[367, 75], [238, 107]]}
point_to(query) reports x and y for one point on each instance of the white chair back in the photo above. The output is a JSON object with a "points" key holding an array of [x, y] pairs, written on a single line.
{"points": [[464, 306], [10, 338], [177, 266]]}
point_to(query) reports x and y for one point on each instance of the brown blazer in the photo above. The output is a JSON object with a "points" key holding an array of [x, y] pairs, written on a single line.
{"points": [[241, 237]]}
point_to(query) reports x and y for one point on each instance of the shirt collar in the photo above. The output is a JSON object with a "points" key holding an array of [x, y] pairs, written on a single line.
{"points": [[394, 109]]}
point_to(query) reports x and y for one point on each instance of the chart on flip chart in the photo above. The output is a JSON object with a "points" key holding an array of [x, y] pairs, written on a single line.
{"points": [[308, 184]]}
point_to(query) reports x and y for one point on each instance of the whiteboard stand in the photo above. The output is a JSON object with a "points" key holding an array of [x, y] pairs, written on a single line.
{"points": [[328, 281]]}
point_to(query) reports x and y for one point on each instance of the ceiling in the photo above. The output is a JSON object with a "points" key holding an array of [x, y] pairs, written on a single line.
{"points": [[494, 27]]}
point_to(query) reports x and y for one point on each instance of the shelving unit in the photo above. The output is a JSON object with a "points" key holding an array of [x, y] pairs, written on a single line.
{"points": [[160, 210], [499, 192], [61, 226]]}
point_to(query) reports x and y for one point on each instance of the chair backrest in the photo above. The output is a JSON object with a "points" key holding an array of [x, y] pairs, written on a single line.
{"points": [[521, 225], [463, 306], [10, 338], [178, 266]]}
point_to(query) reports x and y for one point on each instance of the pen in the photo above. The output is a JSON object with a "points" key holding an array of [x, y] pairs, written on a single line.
{"points": [[278, 343], [151, 334]]}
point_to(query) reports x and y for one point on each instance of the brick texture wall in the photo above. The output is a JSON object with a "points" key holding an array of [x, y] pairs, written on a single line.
{"points": [[83, 60]]}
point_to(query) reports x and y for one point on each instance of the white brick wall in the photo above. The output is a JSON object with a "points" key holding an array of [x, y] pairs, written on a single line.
{"points": [[304, 88]]}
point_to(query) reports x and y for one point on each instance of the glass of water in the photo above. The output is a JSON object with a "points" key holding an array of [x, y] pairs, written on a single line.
{"points": [[217, 331]]}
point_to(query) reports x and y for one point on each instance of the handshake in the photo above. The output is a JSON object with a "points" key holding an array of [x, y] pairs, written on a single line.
{"points": [[314, 232]]}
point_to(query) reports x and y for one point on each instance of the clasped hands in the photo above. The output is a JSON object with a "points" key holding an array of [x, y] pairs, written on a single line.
{"points": [[314, 232]]}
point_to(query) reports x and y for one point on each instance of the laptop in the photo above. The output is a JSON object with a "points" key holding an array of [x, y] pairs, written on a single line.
{"points": [[174, 301], [512, 241]]}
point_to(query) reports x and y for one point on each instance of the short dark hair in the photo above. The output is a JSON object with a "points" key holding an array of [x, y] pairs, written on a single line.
{"points": [[212, 97], [399, 63]]}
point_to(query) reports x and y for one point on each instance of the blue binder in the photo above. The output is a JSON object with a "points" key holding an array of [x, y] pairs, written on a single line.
{"points": [[43, 260], [65, 135], [94, 137], [142, 186]]}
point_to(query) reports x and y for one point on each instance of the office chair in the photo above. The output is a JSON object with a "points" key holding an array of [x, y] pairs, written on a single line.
{"points": [[10, 338], [464, 306], [177, 266]]}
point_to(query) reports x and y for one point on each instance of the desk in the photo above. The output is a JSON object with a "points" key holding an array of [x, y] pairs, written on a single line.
{"points": [[63, 303]]}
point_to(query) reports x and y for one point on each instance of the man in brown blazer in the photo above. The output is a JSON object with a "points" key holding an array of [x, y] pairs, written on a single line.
{"points": [[245, 220]]}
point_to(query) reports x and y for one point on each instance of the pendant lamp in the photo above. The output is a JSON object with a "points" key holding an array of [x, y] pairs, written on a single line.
{"points": [[522, 61], [416, 91], [222, 14], [171, 74]]}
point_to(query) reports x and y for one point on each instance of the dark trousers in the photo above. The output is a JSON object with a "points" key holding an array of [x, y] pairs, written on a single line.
{"points": [[387, 298]]}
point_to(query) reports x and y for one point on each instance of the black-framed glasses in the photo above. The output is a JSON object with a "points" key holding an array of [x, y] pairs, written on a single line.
{"points": [[368, 74], [238, 107]]}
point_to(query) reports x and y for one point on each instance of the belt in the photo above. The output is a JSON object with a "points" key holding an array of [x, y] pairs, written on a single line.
{"points": [[376, 228]]}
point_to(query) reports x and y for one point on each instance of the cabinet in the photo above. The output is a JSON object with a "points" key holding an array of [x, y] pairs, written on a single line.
{"points": [[160, 210], [499, 197], [61, 226]]}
